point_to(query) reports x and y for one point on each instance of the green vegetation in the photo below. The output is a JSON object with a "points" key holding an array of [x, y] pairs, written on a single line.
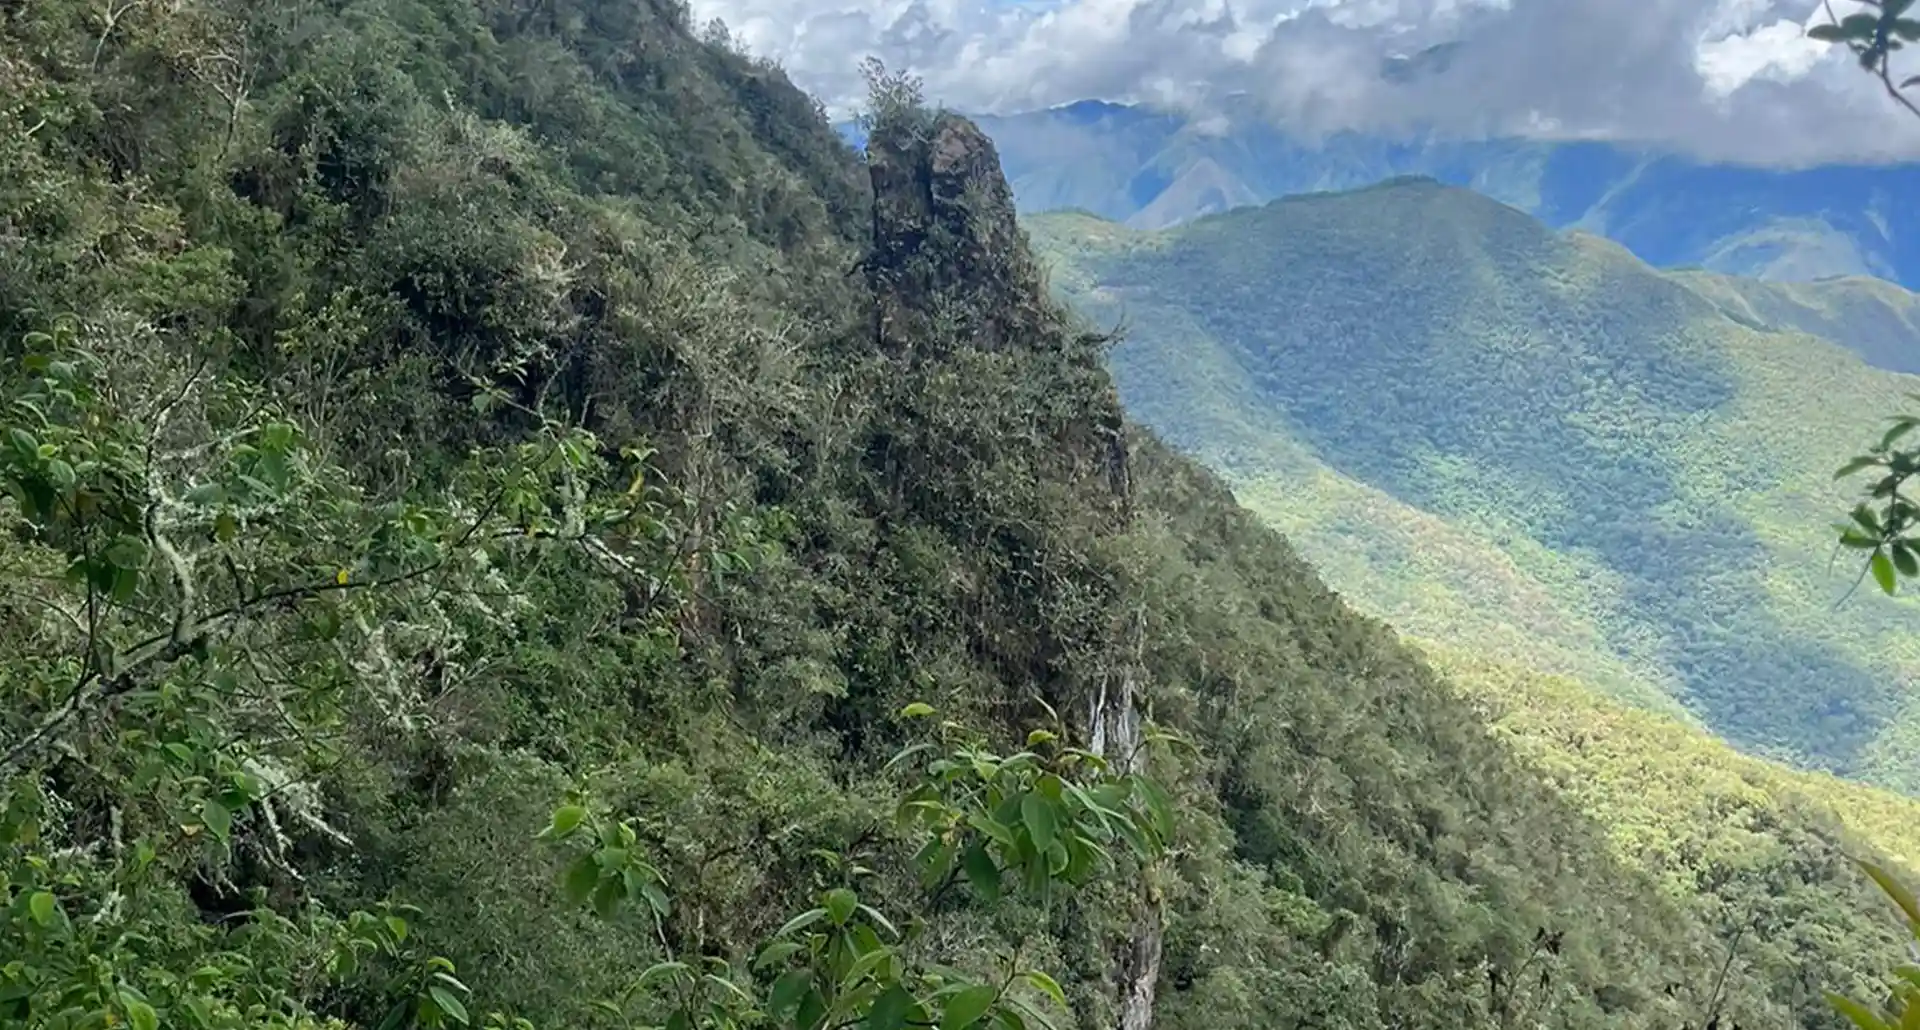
{"points": [[1535, 447], [477, 554]]}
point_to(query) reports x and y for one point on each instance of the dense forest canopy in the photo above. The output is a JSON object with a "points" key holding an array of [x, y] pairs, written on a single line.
{"points": [[511, 522]]}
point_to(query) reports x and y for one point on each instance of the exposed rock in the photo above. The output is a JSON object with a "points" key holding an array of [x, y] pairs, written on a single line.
{"points": [[946, 247]]}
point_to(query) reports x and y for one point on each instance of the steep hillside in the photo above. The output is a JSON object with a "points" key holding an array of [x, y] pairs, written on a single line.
{"points": [[1531, 443], [510, 524], [1151, 169]]}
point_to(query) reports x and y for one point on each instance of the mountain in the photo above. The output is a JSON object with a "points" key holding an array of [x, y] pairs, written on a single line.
{"points": [[510, 523], [1151, 169], [1537, 446]]}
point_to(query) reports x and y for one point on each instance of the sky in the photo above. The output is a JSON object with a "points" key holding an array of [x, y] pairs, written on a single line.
{"points": [[1720, 79]]}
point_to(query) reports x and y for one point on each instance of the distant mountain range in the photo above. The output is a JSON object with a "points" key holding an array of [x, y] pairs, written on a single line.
{"points": [[1528, 444], [1149, 169]]}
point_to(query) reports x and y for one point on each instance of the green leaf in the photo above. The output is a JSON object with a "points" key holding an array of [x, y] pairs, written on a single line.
{"points": [[606, 897], [812, 1011], [916, 710], [890, 1010], [25, 444], [1882, 567], [776, 953], [447, 1002], [1903, 559], [965, 1008], [840, 903], [580, 878], [1000, 832], [140, 1015], [1039, 817], [801, 921], [216, 818], [1851, 537], [128, 552], [1894, 889], [879, 920], [1047, 985], [982, 873], [661, 969], [1159, 805], [398, 927], [1856, 1013], [44, 907], [787, 992], [566, 819], [1864, 461]]}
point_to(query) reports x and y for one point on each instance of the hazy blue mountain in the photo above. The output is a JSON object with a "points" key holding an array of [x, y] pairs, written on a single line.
{"points": [[1151, 169]]}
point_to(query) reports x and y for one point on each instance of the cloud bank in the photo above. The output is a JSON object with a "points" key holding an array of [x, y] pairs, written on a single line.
{"points": [[1722, 79]]}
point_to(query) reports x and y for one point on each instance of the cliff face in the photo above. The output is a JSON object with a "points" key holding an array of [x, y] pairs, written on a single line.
{"points": [[950, 267], [946, 247]]}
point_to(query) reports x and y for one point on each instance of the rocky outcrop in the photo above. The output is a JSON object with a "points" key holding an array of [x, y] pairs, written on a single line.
{"points": [[947, 251]]}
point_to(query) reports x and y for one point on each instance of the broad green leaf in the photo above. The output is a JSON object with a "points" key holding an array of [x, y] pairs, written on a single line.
{"points": [[1159, 805], [128, 552], [1856, 1013], [1040, 820], [801, 921], [982, 872], [140, 1015], [890, 1010], [916, 710], [566, 819], [1903, 559], [448, 1003], [1882, 567], [44, 907], [1000, 832], [787, 992], [840, 903], [606, 897], [811, 1012], [25, 444], [580, 878], [1047, 985], [966, 1007], [1894, 889], [878, 920], [660, 969], [216, 818], [1861, 462]]}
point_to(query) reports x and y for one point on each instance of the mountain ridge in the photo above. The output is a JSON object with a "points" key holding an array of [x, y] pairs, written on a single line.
{"points": [[1133, 164], [1604, 427]]}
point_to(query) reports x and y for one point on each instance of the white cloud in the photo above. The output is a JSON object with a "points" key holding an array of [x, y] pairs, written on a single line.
{"points": [[1723, 78]]}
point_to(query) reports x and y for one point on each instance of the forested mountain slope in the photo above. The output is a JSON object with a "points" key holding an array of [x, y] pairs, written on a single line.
{"points": [[433, 421], [1498, 435], [1153, 169]]}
